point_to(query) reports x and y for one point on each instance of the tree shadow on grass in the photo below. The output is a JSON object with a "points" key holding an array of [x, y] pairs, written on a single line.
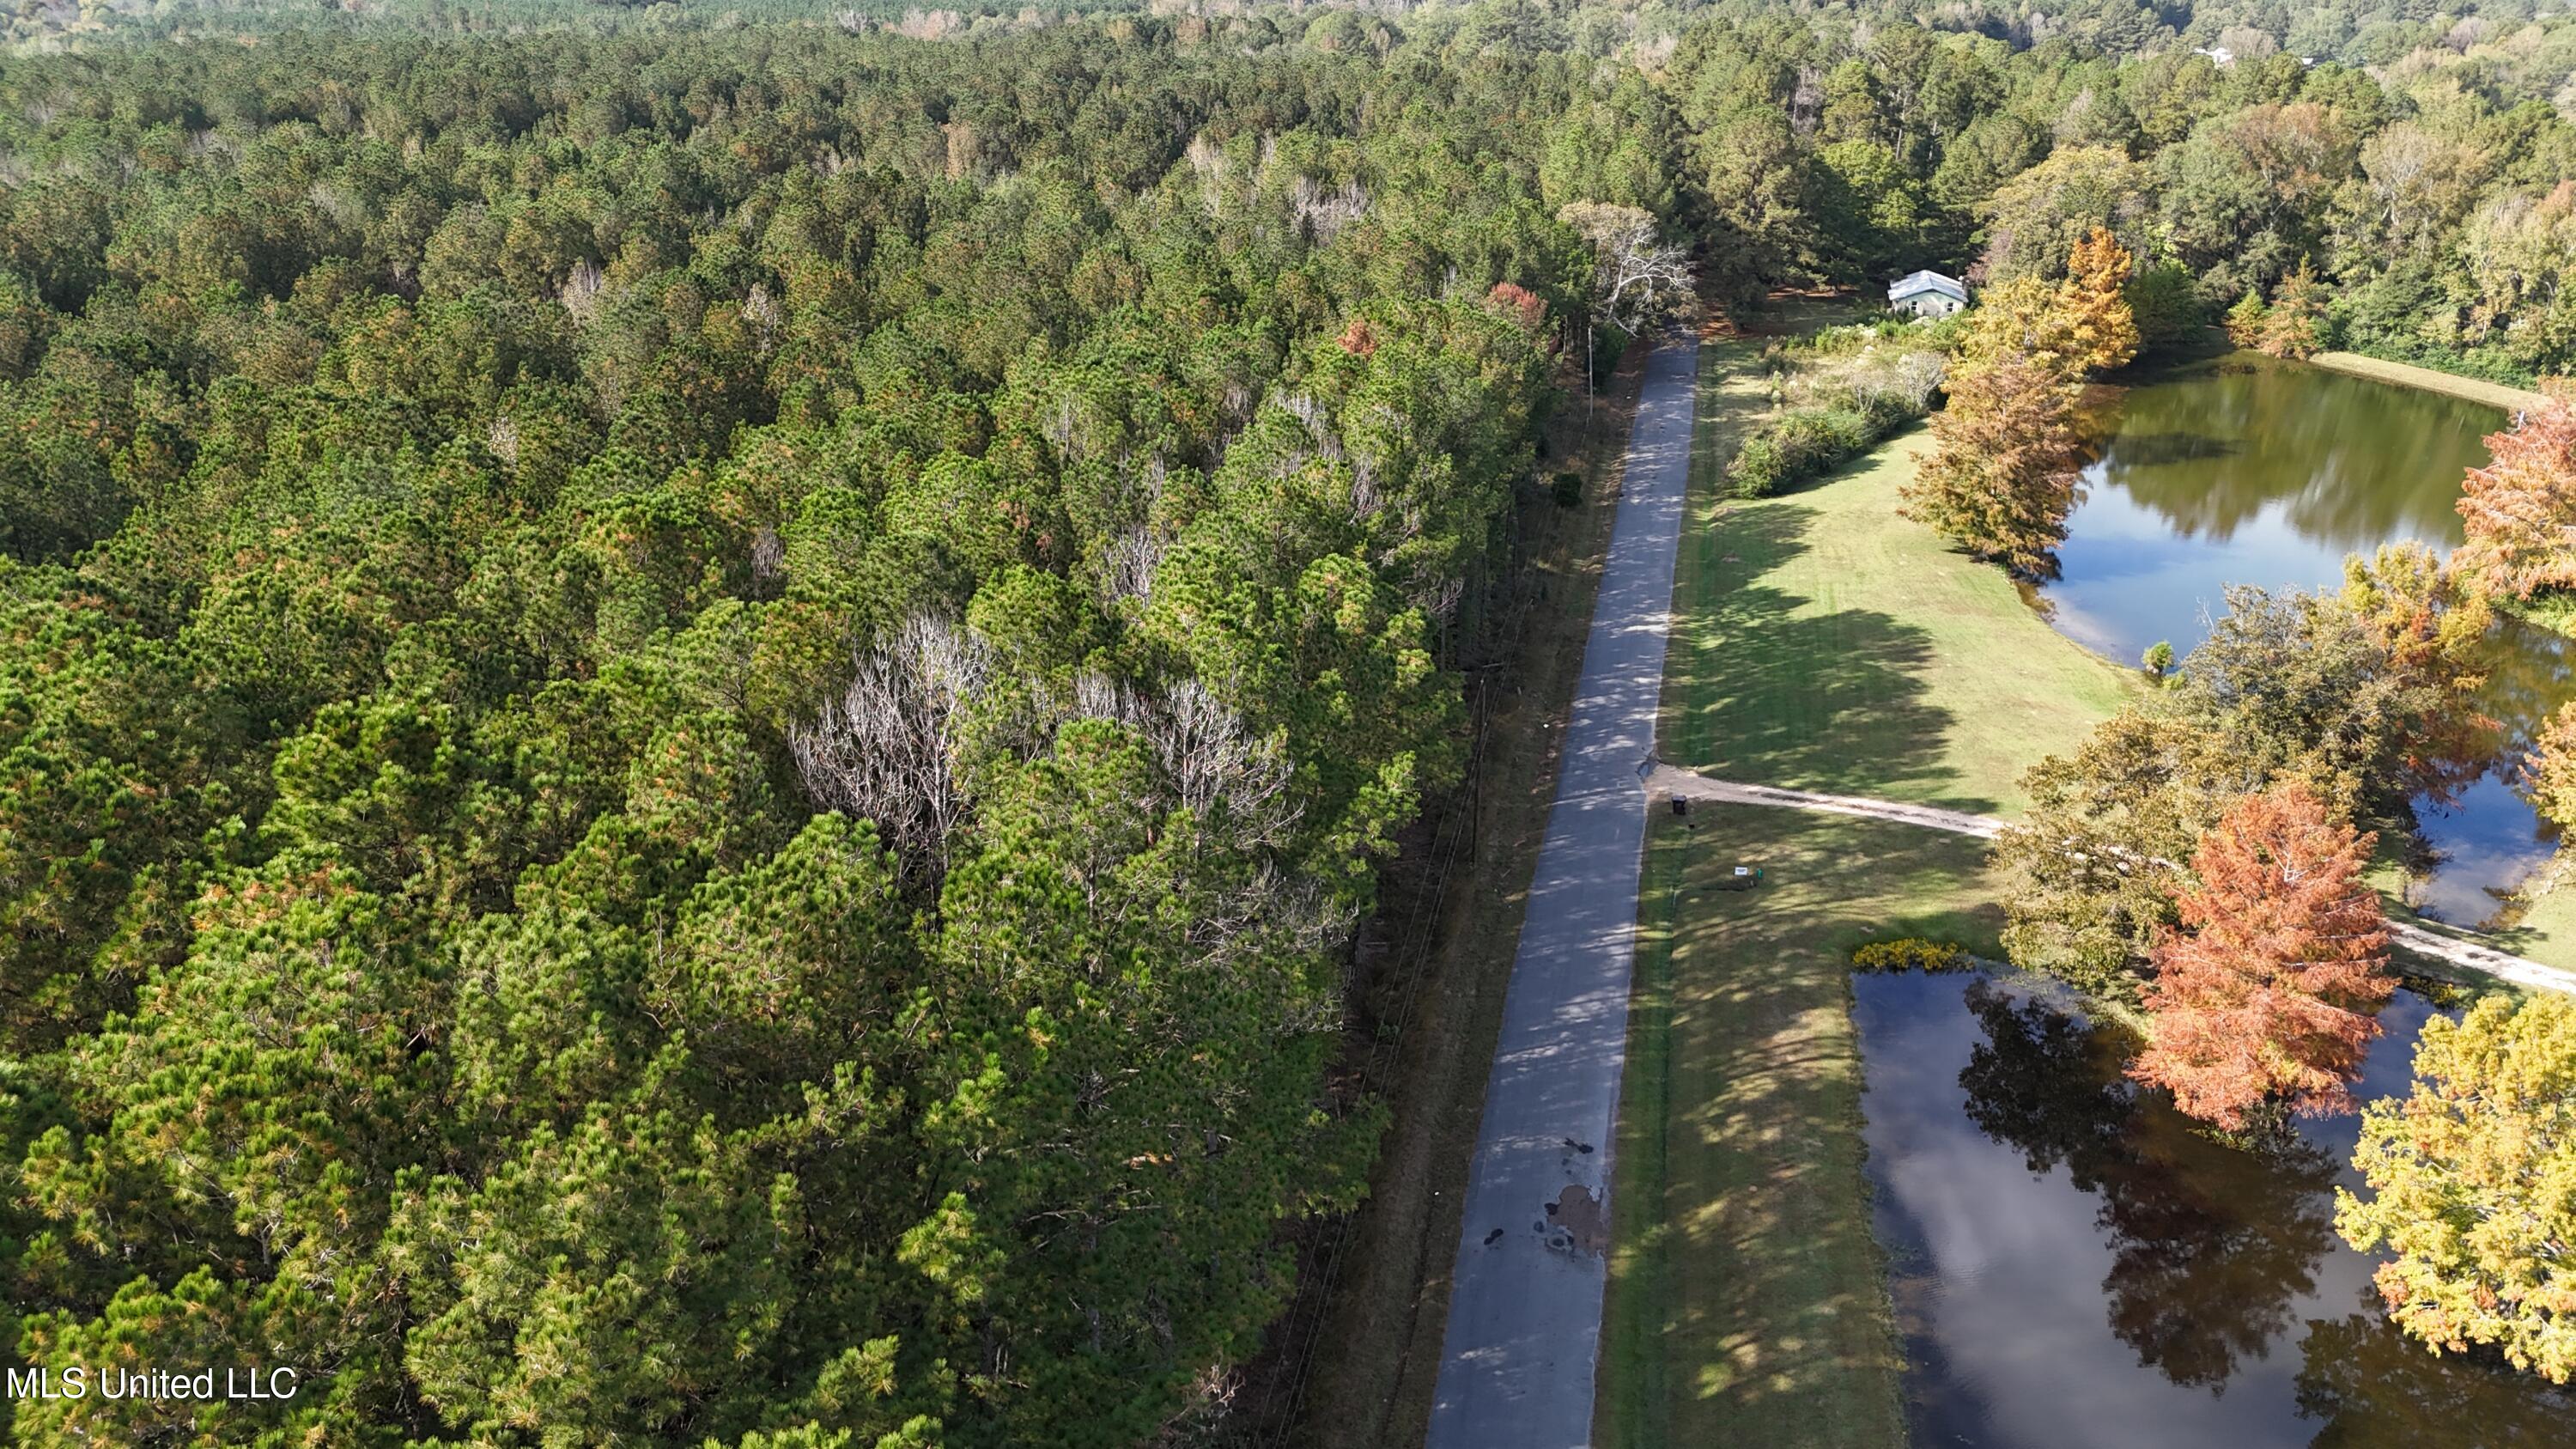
{"points": [[1778, 1331], [1833, 701]]}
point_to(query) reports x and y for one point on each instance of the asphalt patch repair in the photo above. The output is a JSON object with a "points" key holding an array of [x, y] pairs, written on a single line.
{"points": [[1581, 1225]]}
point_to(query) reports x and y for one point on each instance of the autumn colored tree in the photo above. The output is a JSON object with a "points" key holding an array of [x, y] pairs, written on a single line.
{"points": [[2473, 1182], [2519, 511], [2026, 318], [2266, 994], [2294, 326], [2549, 771], [2432, 629], [2001, 475], [2420, 614], [2247, 320], [2096, 306]]}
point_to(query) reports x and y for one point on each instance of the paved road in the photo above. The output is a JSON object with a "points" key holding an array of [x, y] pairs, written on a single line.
{"points": [[1667, 781], [1525, 1302]]}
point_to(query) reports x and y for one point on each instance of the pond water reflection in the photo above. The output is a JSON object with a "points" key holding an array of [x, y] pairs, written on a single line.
{"points": [[2246, 469], [2074, 1265]]}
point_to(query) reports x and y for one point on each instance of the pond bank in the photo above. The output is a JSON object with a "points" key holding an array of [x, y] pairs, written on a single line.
{"points": [[2407, 374], [1819, 641], [2078, 1266]]}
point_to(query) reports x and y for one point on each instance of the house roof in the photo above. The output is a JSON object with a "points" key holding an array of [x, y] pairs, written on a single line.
{"points": [[1921, 282]]}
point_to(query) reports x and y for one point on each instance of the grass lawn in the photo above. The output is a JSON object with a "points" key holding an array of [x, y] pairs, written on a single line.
{"points": [[1820, 641], [2547, 931], [1747, 1303], [1823, 642], [2406, 374]]}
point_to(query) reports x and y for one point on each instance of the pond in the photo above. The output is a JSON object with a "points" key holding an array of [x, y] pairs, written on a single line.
{"points": [[2074, 1267], [2247, 469]]}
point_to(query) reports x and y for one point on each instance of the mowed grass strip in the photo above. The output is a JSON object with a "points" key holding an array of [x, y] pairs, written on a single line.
{"points": [[1747, 1298], [1821, 642]]}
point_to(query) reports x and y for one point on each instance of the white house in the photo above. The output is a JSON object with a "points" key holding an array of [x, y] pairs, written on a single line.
{"points": [[1927, 294]]}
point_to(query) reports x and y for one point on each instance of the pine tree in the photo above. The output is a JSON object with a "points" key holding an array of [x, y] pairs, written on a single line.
{"points": [[2519, 510], [2266, 992], [2001, 476]]}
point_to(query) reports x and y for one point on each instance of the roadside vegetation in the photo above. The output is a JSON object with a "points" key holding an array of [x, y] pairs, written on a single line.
{"points": [[701, 708], [1840, 391]]}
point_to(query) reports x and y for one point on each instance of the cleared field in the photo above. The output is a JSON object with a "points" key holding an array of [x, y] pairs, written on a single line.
{"points": [[1746, 1300], [1821, 642], [1824, 642]]}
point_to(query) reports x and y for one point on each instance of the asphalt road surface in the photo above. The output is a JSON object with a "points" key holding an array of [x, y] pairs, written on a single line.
{"points": [[1524, 1329]]}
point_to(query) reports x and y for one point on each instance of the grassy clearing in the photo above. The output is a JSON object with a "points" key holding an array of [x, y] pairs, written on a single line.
{"points": [[1823, 642], [2405, 374], [1747, 1303], [2546, 931], [1820, 641]]}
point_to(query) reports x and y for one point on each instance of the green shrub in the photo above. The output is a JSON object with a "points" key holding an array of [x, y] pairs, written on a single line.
{"points": [[1913, 953], [1805, 442], [1568, 489], [1756, 471]]}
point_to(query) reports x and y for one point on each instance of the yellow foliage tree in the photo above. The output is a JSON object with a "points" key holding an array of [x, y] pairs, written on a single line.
{"points": [[2025, 319], [2069, 329], [2101, 329], [2474, 1186]]}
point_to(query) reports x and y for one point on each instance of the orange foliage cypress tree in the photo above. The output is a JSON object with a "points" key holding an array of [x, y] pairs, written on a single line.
{"points": [[2268, 991], [2097, 309], [2002, 474], [2519, 511], [2549, 774]]}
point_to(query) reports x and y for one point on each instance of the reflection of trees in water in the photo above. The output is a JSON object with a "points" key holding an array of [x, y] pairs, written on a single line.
{"points": [[2045, 1082], [2374, 1387], [2356, 462], [2210, 1244], [2528, 671]]}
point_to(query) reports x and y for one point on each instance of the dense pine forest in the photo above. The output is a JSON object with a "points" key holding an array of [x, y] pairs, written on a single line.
{"points": [[693, 715]]}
